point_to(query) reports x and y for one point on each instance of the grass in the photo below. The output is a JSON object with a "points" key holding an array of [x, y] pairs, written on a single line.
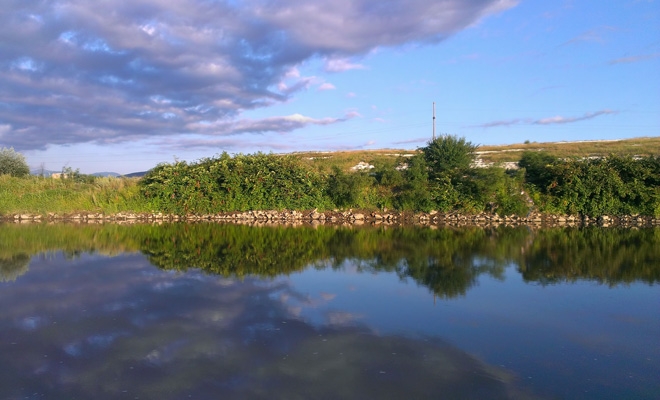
{"points": [[111, 195], [627, 147], [324, 161], [43, 195], [345, 160]]}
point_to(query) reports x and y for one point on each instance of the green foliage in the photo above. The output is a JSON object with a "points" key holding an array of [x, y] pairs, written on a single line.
{"points": [[448, 154], [350, 189], [437, 178], [239, 183], [537, 168], [13, 163], [75, 175], [448, 261], [34, 194], [388, 181], [613, 185], [607, 256], [492, 190], [416, 193], [454, 185]]}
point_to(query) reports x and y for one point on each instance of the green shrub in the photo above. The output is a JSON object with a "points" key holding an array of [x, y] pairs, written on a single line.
{"points": [[13, 163], [416, 194], [612, 185], [239, 183], [448, 154], [350, 189], [537, 168]]}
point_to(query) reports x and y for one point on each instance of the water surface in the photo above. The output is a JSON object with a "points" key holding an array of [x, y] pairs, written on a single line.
{"points": [[224, 311]]}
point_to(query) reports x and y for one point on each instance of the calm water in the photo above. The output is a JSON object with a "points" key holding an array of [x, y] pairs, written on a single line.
{"points": [[234, 312]]}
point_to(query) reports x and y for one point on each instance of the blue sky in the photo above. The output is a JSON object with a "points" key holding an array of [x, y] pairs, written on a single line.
{"points": [[122, 86]]}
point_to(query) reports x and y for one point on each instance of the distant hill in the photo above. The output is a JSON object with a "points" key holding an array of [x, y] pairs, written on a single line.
{"points": [[44, 172], [136, 174], [47, 172], [114, 174]]}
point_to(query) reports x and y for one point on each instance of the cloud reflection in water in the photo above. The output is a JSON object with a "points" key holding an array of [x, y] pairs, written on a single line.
{"points": [[97, 327]]}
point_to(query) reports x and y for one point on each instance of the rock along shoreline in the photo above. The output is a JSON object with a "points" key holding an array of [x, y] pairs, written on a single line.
{"points": [[350, 217]]}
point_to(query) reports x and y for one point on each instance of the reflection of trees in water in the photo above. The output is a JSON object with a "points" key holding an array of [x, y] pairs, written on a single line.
{"points": [[448, 261], [608, 256], [13, 267]]}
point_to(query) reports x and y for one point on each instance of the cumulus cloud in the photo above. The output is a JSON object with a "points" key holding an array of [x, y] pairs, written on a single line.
{"points": [[75, 71], [279, 124]]}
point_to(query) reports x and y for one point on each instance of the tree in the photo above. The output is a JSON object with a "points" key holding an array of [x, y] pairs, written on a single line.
{"points": [[13, 163], [448, 154], [416, 193], [537, 168]]}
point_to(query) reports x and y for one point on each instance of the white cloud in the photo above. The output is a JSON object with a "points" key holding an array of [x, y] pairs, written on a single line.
{"points": [[558, 119], [327, 86], [565, 120], [89, 71], [4, 129], [341, 65]]}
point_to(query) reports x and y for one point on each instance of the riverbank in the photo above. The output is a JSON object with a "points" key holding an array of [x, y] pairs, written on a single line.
{"points": [[350, 217]]}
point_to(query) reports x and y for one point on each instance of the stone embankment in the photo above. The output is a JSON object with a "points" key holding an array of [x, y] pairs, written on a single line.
{"points": [[349, 217]]}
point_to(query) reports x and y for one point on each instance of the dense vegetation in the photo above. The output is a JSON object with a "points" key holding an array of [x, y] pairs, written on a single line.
{"points": [[437, 178], [243, 182], [440, 176], [599, 186], [447, 261], [37, 194], [12, 163]]}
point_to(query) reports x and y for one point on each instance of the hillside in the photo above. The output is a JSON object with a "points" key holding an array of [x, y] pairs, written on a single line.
{"points": [[324, 161]]}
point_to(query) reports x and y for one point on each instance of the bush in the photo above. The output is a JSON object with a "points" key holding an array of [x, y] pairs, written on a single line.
{"points": [[13, 163], [239, 183], [612, 185], [448, 154], [537, 168], [417, 193], [349, 190]]}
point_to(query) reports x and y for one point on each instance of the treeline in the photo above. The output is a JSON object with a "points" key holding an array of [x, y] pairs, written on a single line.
{"points": [[612, 185], [446, 261], [440, 177]]}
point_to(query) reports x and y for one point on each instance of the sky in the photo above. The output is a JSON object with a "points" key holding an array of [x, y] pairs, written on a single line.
{"points": [[119, 86]]}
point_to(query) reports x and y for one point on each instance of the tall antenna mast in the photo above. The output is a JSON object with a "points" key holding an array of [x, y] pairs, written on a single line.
{"points": [[434, 120]]}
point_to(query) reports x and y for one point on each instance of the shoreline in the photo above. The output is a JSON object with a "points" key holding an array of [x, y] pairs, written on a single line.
{"points": [[350, 217]]}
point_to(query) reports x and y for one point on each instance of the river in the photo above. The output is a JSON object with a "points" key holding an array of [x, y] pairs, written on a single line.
{"points": [[207, 311]]}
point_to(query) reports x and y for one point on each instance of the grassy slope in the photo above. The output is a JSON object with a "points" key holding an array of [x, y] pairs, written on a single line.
{"points": [[324, 161], [43, 195], [111, 195]]}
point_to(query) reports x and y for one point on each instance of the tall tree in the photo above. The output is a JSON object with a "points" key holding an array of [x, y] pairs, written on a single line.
{"points": [[13, 163], [448, 154]]}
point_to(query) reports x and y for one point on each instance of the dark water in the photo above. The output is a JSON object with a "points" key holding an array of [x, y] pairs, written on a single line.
{"points": [[234, 312]]}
